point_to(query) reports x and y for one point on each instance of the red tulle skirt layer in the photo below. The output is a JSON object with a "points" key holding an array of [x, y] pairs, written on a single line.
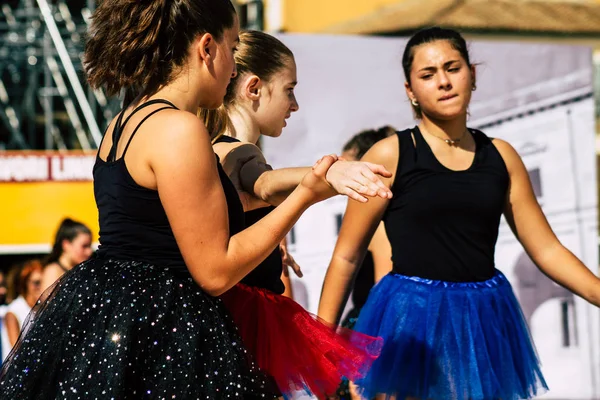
{"points": [[300, 351]]}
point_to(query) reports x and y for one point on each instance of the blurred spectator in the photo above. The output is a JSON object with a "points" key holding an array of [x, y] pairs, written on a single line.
{"points": [[3, 279], [72, 246], [12, 285], [12, 282], [3, 335], [30, 282]]}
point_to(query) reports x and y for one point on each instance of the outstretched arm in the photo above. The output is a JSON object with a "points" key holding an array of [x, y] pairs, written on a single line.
{"points": [[531, 228], [184, 166], [246, 166]]}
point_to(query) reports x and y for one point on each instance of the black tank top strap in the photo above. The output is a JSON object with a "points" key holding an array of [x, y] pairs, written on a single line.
{"points": [[420, 144], [406, 155], [101, 141], [226, 139], [486, 149], [143, 105], [406, 142], [115, 139], [112, 155], [140, 124], [480, 137]]}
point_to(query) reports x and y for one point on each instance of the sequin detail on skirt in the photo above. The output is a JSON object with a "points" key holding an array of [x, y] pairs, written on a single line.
{"points": [[129, 330]]}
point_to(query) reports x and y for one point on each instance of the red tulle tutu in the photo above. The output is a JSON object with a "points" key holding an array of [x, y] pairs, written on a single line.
{"points": [[300, 351]]}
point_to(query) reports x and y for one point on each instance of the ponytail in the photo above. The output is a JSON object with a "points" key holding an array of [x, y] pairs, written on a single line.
{"points": [[140, 43], [217, 122]]}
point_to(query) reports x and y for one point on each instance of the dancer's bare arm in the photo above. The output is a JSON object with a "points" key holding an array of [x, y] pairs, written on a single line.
{"points": [[185, 170], [247, 167], [12, 328], [529, 224], [360, 223]]}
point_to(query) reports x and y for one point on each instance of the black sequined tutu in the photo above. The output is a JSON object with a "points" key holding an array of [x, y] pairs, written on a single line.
{"points": [[129, 330]]}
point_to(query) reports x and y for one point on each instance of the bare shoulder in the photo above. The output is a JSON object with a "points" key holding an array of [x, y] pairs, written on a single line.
{"points": [[508, 153], [178, 125], [503, 146], [386, 151], [178, 134], [52, 268]]}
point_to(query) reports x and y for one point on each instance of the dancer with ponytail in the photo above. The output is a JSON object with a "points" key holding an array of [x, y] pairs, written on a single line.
{"points": [[299, 351], [142, 318], [451, 325]]}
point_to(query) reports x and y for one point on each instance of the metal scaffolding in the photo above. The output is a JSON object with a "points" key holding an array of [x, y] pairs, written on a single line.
{"points": [[44, 101]]}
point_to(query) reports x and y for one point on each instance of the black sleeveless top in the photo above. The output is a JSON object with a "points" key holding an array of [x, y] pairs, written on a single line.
{"points": [[443, 224], [133, 222], [268, 274], [364, 281]]}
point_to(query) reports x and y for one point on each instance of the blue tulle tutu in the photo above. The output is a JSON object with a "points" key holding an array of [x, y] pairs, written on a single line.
{"points": [[447, 340]]}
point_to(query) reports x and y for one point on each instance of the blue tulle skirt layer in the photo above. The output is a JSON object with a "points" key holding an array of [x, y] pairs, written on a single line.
{"points": [[447, 340]]}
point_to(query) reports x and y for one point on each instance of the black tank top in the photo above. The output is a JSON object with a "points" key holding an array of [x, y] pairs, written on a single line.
{"points": [[364, 281], [443, 224], [133, 222], [268, 274]]}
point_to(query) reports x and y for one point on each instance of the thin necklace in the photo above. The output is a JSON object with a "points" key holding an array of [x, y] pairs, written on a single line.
{"points": [[451, 142], [62, 266]]}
